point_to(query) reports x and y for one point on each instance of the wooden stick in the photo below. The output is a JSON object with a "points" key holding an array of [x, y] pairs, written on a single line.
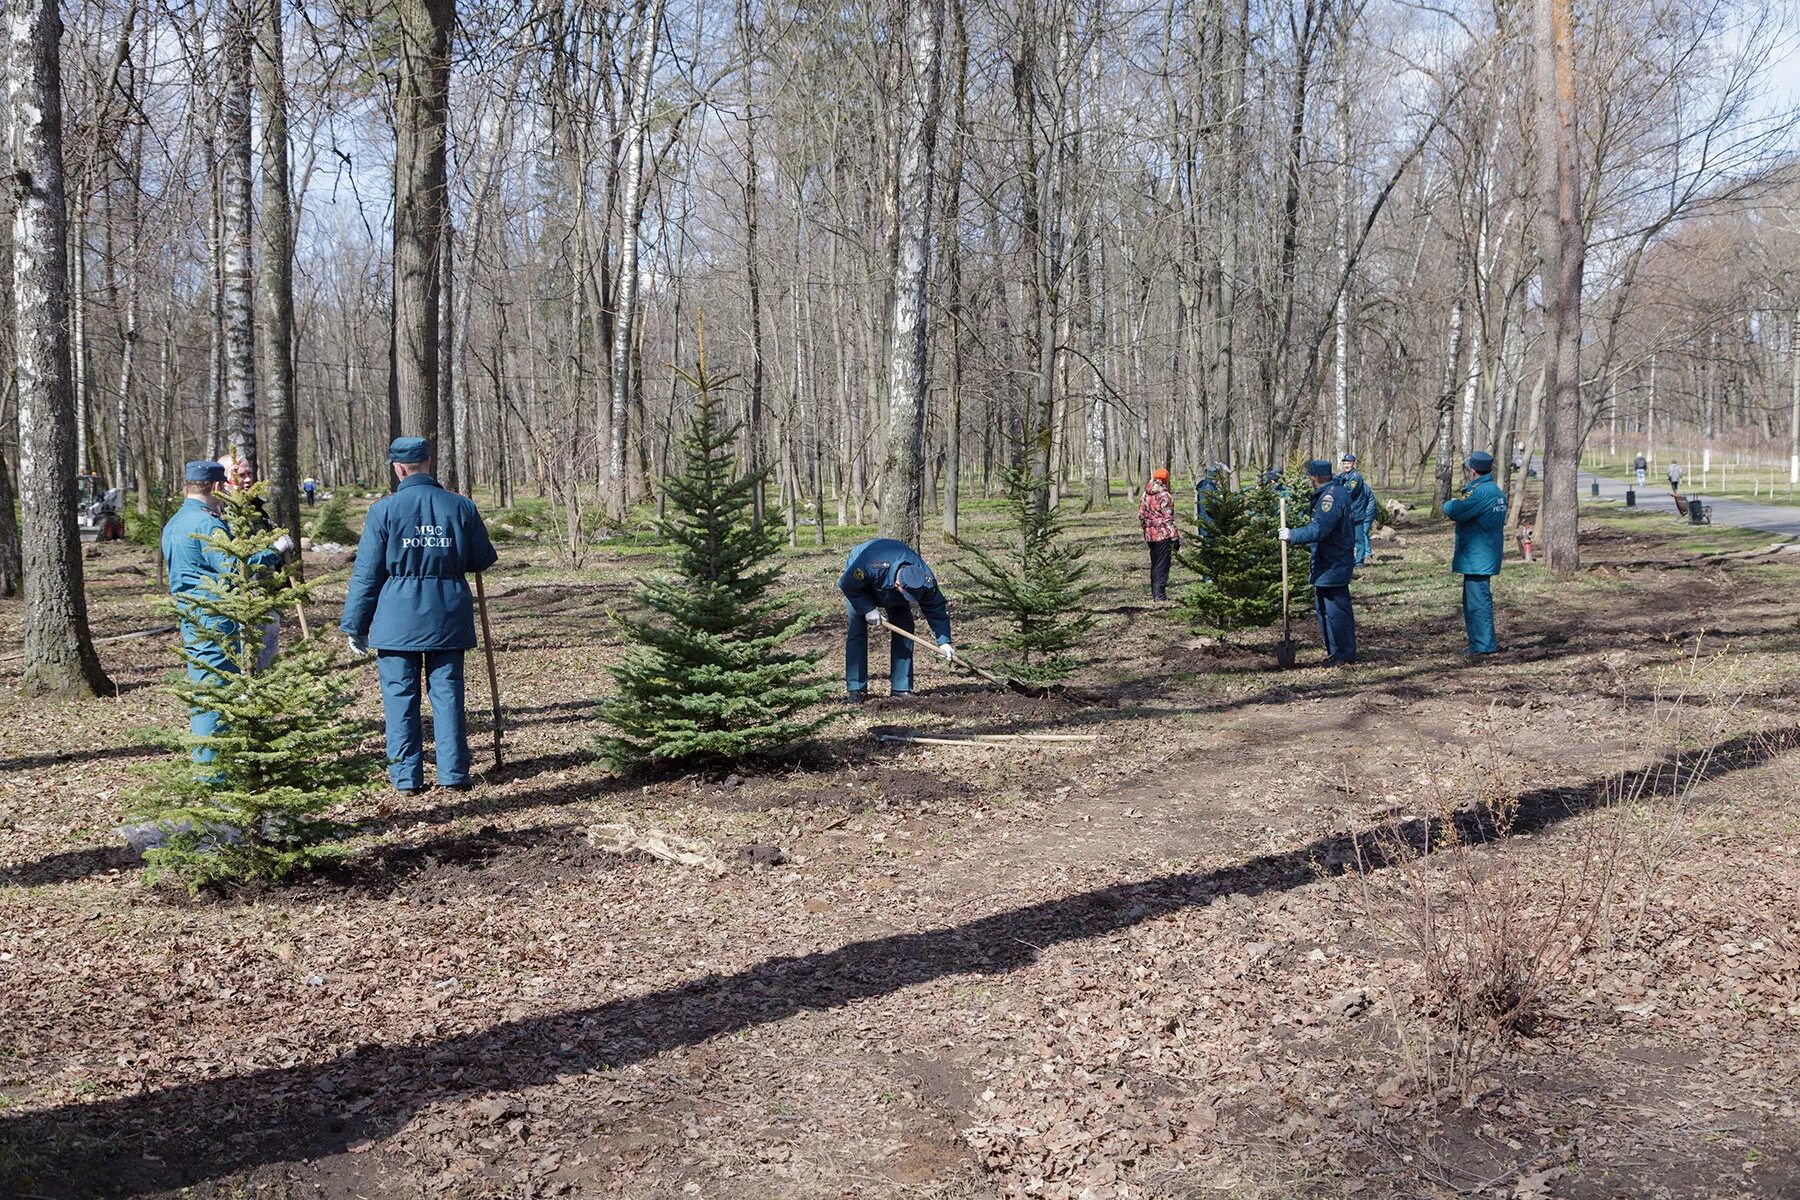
{"points": [[996, 739], [487, 644], [932, 646], [300, 611]]}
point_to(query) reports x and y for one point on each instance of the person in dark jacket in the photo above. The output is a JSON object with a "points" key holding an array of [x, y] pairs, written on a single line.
{"points": [[1479, 511], [212, 642], [410, 602], [1332, 534], [882, 580], [1362, 506]]}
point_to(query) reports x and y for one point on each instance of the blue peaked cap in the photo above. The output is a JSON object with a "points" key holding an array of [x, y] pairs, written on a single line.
{"points": [[914, 577], [1480, 462], [204, 470], [409, 450], [1318, 468]]}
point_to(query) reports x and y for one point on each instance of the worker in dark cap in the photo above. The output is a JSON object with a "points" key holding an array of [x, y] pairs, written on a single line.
{"points": [[1479, 511], [881, 582], [409, 601], [1362, 506], [1332, 534], [210, 643]]}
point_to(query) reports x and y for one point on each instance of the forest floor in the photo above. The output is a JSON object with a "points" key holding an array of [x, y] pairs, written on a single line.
{"points": [[1144, 966]]}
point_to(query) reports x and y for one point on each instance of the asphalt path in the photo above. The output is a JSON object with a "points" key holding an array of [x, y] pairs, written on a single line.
{"points": [[1781, 519]]}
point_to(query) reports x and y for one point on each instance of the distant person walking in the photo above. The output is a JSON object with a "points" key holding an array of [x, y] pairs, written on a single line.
{"points": [[1157, 515], [310, 488], [1640, 466], [1479, 511], [1674, 476]]}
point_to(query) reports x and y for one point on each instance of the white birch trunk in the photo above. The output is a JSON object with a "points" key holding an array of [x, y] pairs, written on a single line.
{"points": [[630, 208]]}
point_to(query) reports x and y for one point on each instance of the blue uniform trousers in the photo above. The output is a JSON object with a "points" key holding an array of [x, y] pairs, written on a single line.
{"points": [[900, 651], [1478, 613], [400, 686], [1337, 622], [1363, 549]]}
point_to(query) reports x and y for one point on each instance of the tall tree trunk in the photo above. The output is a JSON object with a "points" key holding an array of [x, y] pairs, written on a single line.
{"points": [[902, 500], [278, 273], [752, 266], [59, 653], [240, 311], [421, 197], [452, 412], [631, 210], [12, 570], [1563, 250]]}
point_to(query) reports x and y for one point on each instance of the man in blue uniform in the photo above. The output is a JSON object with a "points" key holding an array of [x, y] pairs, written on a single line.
{"points": [[211, 641], [1479, 511], [410, 602], [1332, 535], [882, 580], [1362, 506]]}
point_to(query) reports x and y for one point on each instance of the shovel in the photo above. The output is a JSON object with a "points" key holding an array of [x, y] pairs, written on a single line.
{"points": [[1284, 649], [487, 645], [1005, 681]]}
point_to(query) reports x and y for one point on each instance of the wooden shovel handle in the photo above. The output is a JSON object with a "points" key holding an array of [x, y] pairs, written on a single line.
{"points": [[963, 662]]}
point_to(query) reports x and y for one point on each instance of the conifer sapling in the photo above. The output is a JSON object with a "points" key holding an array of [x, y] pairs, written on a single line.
{"points": [[707, 677], [250, 801]]}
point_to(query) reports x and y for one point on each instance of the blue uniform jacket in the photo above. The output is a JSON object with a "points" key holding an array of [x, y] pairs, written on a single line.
{"points": [[1479, 511], [868, 583], [1362, 496], [1332, 535], [192, 562], [408, 591]]}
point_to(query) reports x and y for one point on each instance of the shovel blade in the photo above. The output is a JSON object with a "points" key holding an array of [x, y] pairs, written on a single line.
{"points": [[1284, 654]]}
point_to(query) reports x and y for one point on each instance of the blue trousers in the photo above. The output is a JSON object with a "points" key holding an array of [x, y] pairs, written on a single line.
{"points": [[1337, 622], [400, 672], [1478, 614], [900, 651], [1363, 549]]}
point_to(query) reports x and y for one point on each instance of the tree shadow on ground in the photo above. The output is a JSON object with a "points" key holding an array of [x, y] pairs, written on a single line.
{"points": [[190, 1133]]}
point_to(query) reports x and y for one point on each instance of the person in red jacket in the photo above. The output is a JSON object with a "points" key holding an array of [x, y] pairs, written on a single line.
{"points": [[1157, 515]]}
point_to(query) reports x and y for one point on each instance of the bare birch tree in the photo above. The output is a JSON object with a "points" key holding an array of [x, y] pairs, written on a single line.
{"points": [[902, 501], [59, 652]]}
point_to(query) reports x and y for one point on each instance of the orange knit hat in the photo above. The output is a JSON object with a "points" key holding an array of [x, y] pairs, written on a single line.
{"points": [[1161, 474]]}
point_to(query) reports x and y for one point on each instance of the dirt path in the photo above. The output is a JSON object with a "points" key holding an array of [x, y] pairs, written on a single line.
{"points": [[1104, 971]]}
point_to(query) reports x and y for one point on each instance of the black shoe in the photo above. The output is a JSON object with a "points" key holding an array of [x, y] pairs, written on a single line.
{"points": [[413, 791], [464, 786], [899, 695], [856, 697]]}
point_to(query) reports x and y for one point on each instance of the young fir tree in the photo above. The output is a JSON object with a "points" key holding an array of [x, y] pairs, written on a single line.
{"points": [[249, 801], [706, 678], [333, 522], [1238, 556], [1040, 586]]}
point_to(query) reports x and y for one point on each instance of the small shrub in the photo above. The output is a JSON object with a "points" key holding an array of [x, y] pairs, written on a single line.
{"points": [[1041, 586], [333, 522], [708, 678], [250, 802]]}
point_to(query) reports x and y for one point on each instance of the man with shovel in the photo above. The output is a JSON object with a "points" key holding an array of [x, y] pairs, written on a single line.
{"points": [[1332, 535], [409, 600], [882, 580]]}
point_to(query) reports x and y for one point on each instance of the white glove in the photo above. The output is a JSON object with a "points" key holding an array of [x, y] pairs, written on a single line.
{"points": [[948, 651], [874, 617], [1286, 535], [284, 543], [359, 646]]}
